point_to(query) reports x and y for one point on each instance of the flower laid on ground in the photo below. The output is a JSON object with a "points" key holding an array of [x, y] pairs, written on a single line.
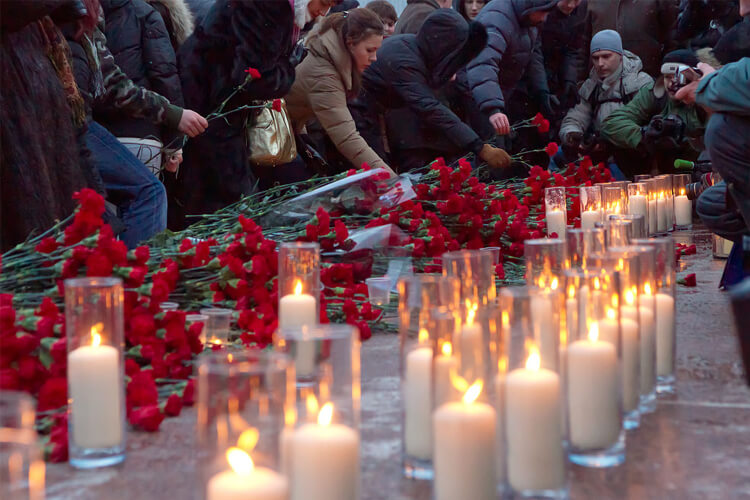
{"points": [[688, 280]]}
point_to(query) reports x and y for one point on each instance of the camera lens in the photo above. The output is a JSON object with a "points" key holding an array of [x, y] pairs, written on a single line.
{"points": [[694, 190]]}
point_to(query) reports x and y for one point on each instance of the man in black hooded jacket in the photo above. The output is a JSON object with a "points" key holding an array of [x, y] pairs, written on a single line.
{"points": [[400, 89]]}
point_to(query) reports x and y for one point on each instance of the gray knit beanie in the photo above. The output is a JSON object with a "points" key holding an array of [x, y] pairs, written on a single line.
{"points": [[606, 40]]}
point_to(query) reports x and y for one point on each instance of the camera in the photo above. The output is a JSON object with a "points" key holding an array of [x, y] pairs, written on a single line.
{"points": [[695, 189], [682, 74]]}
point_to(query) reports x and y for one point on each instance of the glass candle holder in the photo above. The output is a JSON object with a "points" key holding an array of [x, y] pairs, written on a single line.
{"points": [[324, 447], [217, 324], [683, 207], [21, 462], [545, 261], [465, 417], [191, 319], [555, 211], [476, 274], [626, 265], [638, 199], [658, 200], [590, 199], [494, 252], [638, 224], [96, 388], [613, 200], [596, 436], [299, 284], [243, 399], [419, 293], [665, 269], [647, 319], [532, 397], [619, 232], [640, 178], [169, 306], [667, 187], [379, 290], [582, 243]]}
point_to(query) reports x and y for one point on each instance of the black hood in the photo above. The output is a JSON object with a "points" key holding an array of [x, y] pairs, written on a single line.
{"points": [[110, 5], [447, 43], [525, 7]]}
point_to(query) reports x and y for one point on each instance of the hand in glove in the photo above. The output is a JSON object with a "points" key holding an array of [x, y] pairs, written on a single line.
{"points": [[663, 133], [572, 144], [494, 157], [548, 104], [299, 52]]}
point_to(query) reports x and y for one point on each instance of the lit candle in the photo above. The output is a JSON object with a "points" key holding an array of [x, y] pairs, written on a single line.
{"points": [[418, 400], [298, 310], [445, 364], [648, 344], [556, 223], [96, 391], [683, 209], [245, 481], [589, 218], [536, 460], [464, 439], [661, 213], [639, 205], [665, 335], [471, 344], [543, 324], [593, 392], [325, 460], [653, 219]]}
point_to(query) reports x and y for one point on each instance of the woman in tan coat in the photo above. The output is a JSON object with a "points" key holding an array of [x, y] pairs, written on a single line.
{"points": [[343, 47]]}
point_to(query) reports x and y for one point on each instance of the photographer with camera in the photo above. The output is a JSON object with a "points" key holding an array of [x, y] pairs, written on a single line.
{"points": [[615, 78], [655, 125]]}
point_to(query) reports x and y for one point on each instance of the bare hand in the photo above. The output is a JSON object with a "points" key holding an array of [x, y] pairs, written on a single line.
{"points": [[174, 161], [687, 93], [500, 123], [191, 123]]}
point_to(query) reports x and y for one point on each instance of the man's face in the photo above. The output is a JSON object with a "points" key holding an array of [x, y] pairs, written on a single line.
{"points": [[568, 6], [744, 7], [668, 81], [605, 62], [537, 18]]}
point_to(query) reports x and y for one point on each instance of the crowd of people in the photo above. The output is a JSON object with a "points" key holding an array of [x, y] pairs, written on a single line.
{"points": [[150, 101]]}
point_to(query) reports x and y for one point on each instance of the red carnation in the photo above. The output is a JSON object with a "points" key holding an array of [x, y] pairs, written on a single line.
{"points": [[254, 73], [47, 245], [98, 265], [148, 418], [53, 394], [538, 120], [188, 396], [551, 149], [57, 448], [142, 254], [276, 105], [688, 280], [173, 406]]}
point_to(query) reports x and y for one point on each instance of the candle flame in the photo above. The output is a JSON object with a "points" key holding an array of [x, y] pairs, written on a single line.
{"points": [[96, 334], [326, 414], [312, 404], [298, 287], [447, 349], [647, 289], [458, 382], [505, 319], [248, 439], [597, 284], [534, 361], [594, 332], [554, 284], [472, 393], [630, 297], [423, 336], [611, 314], [502, 365], [682, 191], [571, 292], [240, 461], [471, 311]]}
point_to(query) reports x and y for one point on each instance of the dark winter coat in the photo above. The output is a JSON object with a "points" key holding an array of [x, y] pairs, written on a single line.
{"points": [[563, 40], [701, 24], [235, 35], [646, 27], [40, 167], [140, 44], [410, 68], [513, 49], [413, 16], [199, 9]]}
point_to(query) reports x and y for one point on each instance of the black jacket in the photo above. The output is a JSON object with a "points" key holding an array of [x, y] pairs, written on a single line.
{"points": [[138, 40], [410, 68], [702, 23], [563, 46]]}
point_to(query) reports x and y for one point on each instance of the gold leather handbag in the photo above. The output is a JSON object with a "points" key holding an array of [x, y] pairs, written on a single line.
{"points": [[271, 137]]}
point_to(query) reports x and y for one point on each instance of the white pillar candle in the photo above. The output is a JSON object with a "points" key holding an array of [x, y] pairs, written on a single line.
{"points": [[545, 333], [95, 393], [593, 393], [683, 210], [571, 317], [418, 403], [670, 212], [246, 482], [589, 218], [445, 363], [464, 439], [638, 205], [536, 460], [631, 357], [556, 223], [499, 427], [661, 214], [471, 345], [325, 461], [296, 311], [648, 347], [653, 217], [665, 334]]}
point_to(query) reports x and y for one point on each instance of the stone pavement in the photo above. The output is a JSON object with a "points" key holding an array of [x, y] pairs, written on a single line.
{"points": [[695, 446]]}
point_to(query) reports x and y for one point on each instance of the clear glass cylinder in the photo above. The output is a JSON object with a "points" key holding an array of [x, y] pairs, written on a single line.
{"points": [[494, 252], [556, 211], [590, 199], [419, 293], [545, 260], [582, 243], [638, 224], [299, 284], [652, 186], [613, 200], [683, 207], [21, 463], [658, 195], [638, 200], [243, 402], [721, 247], [217, 325], [379, 290], [533, 408], [324, 447], [641, 178], [665, 302], [626, 265], [169, 306], [619, 232], [96, 388], [191, 319], [476, 274], [667, 187]]}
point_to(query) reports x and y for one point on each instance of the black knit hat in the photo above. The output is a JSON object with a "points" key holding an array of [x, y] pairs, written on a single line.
{"points": [[684, 56]]}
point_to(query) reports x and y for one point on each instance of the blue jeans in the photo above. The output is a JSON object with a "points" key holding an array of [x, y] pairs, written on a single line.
{"points": [[130, 185]]}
